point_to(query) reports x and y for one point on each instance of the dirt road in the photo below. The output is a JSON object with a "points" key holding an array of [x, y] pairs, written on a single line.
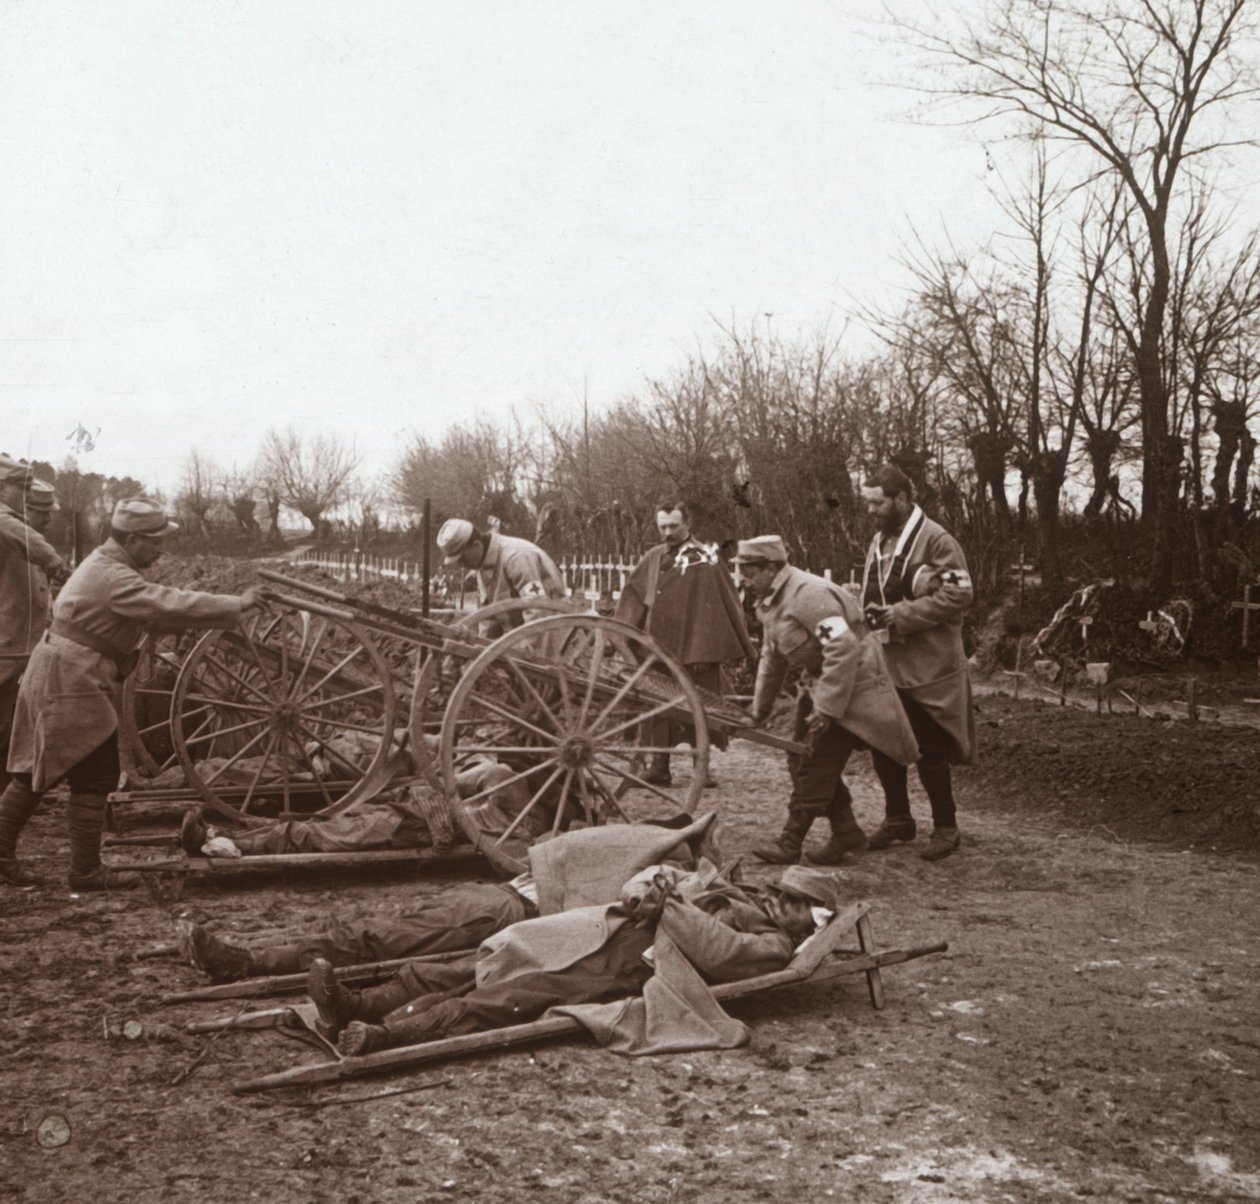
{"points": [[1091, 1034]]}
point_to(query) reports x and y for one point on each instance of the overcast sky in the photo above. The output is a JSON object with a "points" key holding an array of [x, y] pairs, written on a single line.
{"points": [[376, 217]]}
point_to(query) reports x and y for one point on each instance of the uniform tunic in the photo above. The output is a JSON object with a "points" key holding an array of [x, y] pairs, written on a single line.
{"points": [[811, 622], [926, 582], [516, 568], [66, 706]]}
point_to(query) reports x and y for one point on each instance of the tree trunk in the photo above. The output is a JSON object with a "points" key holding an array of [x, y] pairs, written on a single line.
{"points": [[1102, 447], [1048, 472]]}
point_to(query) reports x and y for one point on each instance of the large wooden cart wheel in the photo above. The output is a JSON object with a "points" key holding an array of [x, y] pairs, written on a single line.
{"points": [[298, 711], [432, 680], [560, 702]]}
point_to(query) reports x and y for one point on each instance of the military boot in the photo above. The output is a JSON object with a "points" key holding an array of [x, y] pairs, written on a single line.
{"points": [[846, 837], [894, 828], [657, 772], [785, 849], [338, 1005], [17, 805], [216, 958], [86, 818]]}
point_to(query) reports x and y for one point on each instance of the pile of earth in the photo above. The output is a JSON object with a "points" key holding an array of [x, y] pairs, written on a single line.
{"points": [[1189, 785], [224, 575]]}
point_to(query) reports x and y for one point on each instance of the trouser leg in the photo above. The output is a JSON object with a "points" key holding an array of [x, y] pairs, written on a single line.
{"points": [[17, 804], [8, 701], [459, 918], [895, 780], [934, 764], [91, 780]]}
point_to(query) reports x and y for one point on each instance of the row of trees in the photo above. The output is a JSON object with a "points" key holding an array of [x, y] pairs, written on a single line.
{"points": [[313, 475], [1080, 387], [1097, 357]]}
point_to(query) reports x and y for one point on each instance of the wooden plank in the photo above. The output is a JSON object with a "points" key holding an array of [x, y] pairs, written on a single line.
{"points": [[539, 1030], [281, 984], [262, 861]]}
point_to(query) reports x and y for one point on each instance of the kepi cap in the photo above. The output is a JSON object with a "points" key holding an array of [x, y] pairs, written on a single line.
{"points": [[763, 547], [812, 885], [141, 516], [14, 471], [40, 495], [453, 537]]}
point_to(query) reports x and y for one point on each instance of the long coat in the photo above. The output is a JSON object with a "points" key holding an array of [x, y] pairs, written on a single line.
{"points": [[929, 589], [66, 705], [26, 558], [685, 599], [811, 622]]}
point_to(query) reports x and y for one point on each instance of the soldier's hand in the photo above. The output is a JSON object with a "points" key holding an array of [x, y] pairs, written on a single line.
{"points": [[60, 575], [252, 598], [878, 616], [817, 721]]}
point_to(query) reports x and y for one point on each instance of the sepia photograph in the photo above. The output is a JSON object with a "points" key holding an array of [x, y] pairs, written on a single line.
{"points": [[629, 603]]}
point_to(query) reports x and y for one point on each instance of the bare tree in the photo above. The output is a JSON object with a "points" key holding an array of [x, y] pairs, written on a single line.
{"points": [[1139, 86], [198, 491], [314, 474]]}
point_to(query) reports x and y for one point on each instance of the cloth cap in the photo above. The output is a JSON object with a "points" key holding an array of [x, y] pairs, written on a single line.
{"points": [[813, 885], [40, 495], [14, 471], [764, 547], [141, 516], [453, 537]]}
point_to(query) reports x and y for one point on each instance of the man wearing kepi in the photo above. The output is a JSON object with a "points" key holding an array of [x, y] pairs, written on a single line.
{"points": [[66, 724], [915, 588], [681, 594], [506, 566], [27, 561], [810, 622]]}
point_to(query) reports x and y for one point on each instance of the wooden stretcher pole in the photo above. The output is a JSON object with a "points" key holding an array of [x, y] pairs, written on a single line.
{"points": [[809, 965], [282, 984]]}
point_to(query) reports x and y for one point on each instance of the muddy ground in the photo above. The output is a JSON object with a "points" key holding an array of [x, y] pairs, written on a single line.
{"points": [[1091, 1033]]}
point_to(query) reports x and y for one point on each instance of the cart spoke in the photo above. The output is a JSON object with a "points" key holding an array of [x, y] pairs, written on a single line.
{"points": [[214, 777], [345, 725], [597, 663], [506, 713], [625, 689], [598, 783], [314, 771], [323, 702], [226, 731], [233, 703], [638, 781], [516, 777], [533, 802], [337, 668], [310, 656], [529, 685], [332, 752], [240, 681], [262, 764], [661, 708], [562, 802]]}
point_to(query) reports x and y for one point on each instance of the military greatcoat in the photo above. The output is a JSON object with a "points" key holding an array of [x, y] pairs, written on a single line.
{"points": [[926, 582], [66, 705], [811, 622]]}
